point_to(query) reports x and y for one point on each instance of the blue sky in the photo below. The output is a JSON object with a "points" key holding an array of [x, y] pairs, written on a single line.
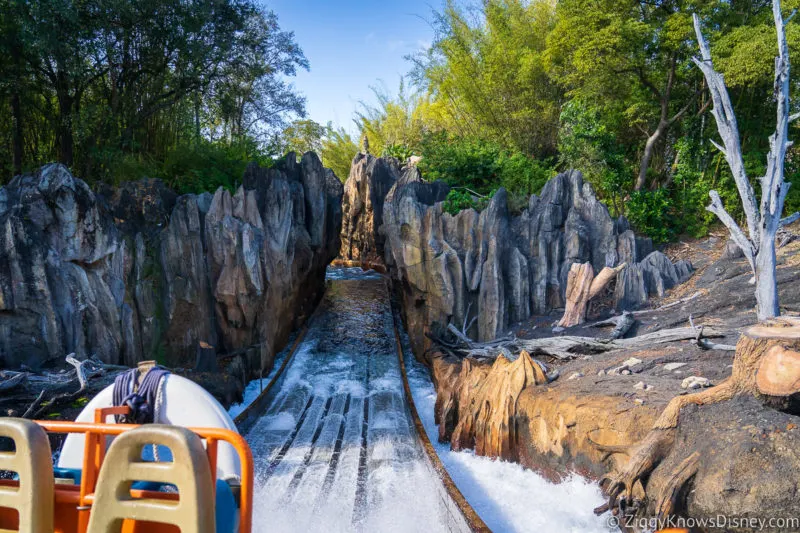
{"points": [[351, 45]]}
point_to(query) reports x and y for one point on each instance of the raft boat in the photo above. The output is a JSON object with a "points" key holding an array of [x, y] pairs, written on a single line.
{"points": [[188, 471]]}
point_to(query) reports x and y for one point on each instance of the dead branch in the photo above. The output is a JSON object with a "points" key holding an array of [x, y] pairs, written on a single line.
{"points": [[764, 219], [16, 379], [706, 344], [49, 397], [624, 324], [32, 408], [791, 219], [565, 347], [615, 319]]}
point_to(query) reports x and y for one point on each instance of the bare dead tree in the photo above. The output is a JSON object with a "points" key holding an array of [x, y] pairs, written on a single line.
{"points": [[763, 222]]}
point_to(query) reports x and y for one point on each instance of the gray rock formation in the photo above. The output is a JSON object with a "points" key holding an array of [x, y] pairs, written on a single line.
{"points": [[503, 269], [369, 182], [136, 272]]}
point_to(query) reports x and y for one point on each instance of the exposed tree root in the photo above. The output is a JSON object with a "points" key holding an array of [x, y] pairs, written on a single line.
{"points": [[668, 498], [758, 350]]}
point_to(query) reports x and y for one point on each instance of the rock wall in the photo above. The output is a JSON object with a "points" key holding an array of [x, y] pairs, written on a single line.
{"points": [[137, 272], [503, 269], [366, 187]]}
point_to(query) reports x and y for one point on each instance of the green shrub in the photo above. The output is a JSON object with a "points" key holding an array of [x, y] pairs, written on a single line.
{"points": [[459, 199], [587, 142], [482, 167], [203, 168], [401, 152], [192, 168], [650, 212]]}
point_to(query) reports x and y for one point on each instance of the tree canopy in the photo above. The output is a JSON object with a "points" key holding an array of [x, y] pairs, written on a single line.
{"points": [[604, 86], [104, 85]]}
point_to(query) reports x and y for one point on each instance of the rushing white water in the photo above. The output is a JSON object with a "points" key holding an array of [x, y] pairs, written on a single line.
{"points": [[508, 497], [256, 386], [336, 450]]}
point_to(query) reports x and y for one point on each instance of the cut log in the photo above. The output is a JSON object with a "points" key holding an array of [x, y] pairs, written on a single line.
{"points": [[760, 353], [582, 286], [579, 283], [779, 372]]}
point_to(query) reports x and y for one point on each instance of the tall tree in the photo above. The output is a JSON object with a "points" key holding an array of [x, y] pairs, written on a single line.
{"points": [[113, 79], [338, 151], [631, 55], [303, 136], [487, 70]]}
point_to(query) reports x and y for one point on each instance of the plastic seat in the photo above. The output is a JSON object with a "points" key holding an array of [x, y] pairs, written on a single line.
{"points": [[33, 497], [189, 472]]}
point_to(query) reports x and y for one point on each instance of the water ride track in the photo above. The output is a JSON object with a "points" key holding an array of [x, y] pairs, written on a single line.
{"points": [[318, 416], [475, 522]]}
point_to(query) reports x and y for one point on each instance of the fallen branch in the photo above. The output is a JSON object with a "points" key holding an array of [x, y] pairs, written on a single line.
{"points": [[568, 346], [624, 324], [706, 344], [614, 320], [671, 304], [84, 370], [460, 335], [35, 405], [17, 379], [784, 237]]}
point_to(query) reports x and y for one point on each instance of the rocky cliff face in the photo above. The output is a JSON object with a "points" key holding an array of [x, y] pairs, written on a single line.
{"points": [[498, 269], [137, 272], [369, 182]]}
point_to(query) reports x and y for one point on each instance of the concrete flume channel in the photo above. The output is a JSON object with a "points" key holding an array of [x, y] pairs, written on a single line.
{"points": [[337, 442]]}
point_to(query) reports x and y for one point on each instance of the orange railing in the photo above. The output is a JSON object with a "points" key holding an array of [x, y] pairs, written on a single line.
{"points": [[83, 496]]}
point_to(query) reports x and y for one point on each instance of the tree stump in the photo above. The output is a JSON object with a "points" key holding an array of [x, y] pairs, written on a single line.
{"points": [[766, 365], [579, 282], [582, 286]]}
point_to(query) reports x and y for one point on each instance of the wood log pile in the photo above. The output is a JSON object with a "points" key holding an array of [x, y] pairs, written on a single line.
{"points": [[55, 388]]}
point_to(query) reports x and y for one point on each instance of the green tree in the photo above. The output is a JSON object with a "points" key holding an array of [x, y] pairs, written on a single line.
{"points": [[487, 74], [110, 86], [338, 151], [632, 58], [395, 121], [303, 136]]}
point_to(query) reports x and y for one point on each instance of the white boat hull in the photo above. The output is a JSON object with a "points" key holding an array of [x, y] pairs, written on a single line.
{"points": [[185, 404]]}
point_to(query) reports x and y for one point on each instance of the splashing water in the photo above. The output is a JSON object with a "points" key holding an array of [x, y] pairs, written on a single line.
{"points": [[336, 450]]}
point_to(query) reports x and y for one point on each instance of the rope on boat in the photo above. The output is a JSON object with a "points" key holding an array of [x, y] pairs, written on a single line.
{"points": [[144, 399]]}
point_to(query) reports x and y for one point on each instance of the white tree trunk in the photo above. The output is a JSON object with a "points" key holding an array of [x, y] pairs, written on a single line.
{"points": [[767, 283], [758, 243]]}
